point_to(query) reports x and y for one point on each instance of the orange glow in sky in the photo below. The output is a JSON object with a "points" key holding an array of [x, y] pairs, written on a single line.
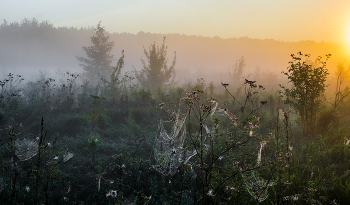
{"points": [[297, 20]]}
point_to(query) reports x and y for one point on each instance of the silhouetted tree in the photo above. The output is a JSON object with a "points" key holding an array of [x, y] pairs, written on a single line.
{"points": [[238, 71], [155, 70], [308, 79], [99, 58]]}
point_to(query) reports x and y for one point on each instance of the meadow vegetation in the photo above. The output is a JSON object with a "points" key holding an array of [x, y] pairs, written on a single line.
{"points": [[141, 138]]}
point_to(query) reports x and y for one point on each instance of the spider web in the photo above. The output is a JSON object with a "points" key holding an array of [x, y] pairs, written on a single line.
{"points": [[255, 185], [26, 149], [168, 148], [67, 155]]}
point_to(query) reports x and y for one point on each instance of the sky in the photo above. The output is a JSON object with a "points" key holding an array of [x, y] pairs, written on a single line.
{"points": [[284, 20]]}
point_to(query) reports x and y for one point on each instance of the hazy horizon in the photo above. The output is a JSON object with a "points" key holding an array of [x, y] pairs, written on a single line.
{"points": [[209, 37], [26, 51], [295, 21]]}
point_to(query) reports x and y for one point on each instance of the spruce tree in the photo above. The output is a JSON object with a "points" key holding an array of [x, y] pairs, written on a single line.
{"points": [[99, 58], [155, 72]]}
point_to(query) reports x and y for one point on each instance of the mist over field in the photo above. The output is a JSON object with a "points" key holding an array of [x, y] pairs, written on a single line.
{"points": [[93, 117], [27, 49]]}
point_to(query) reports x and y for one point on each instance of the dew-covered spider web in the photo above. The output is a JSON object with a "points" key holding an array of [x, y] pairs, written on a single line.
{"points": [[26, 149], [67, 155], [168, 148], [255, 185]]}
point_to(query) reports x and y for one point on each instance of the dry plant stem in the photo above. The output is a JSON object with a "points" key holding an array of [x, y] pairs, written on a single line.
{"points": [[278, 150], [339, 96], [197, 141], [232, 176], [287, 145], [233, 96], [246, 100], [13, 179], [42, 139], [8, 86], [249, 94], [182, 182]]}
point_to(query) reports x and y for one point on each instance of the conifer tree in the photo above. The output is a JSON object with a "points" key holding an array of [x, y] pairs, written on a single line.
{"points": [[99, 58], [155, 72]]}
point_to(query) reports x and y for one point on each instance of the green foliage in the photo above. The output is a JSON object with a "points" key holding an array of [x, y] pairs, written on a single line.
{"points": [[308, 79], [142, 97], [211, 88], [236, 148], [94, 140], [96, 110], [212, 145], [116, 71], [155, 72], [72, 125], [99, 58], [9, 92]]}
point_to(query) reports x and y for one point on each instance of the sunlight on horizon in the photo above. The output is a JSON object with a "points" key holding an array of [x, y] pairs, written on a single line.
{"points": [[321, 21]]}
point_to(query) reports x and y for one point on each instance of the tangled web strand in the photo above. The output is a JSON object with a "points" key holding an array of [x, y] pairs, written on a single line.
{"points": [[168, 148]]}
